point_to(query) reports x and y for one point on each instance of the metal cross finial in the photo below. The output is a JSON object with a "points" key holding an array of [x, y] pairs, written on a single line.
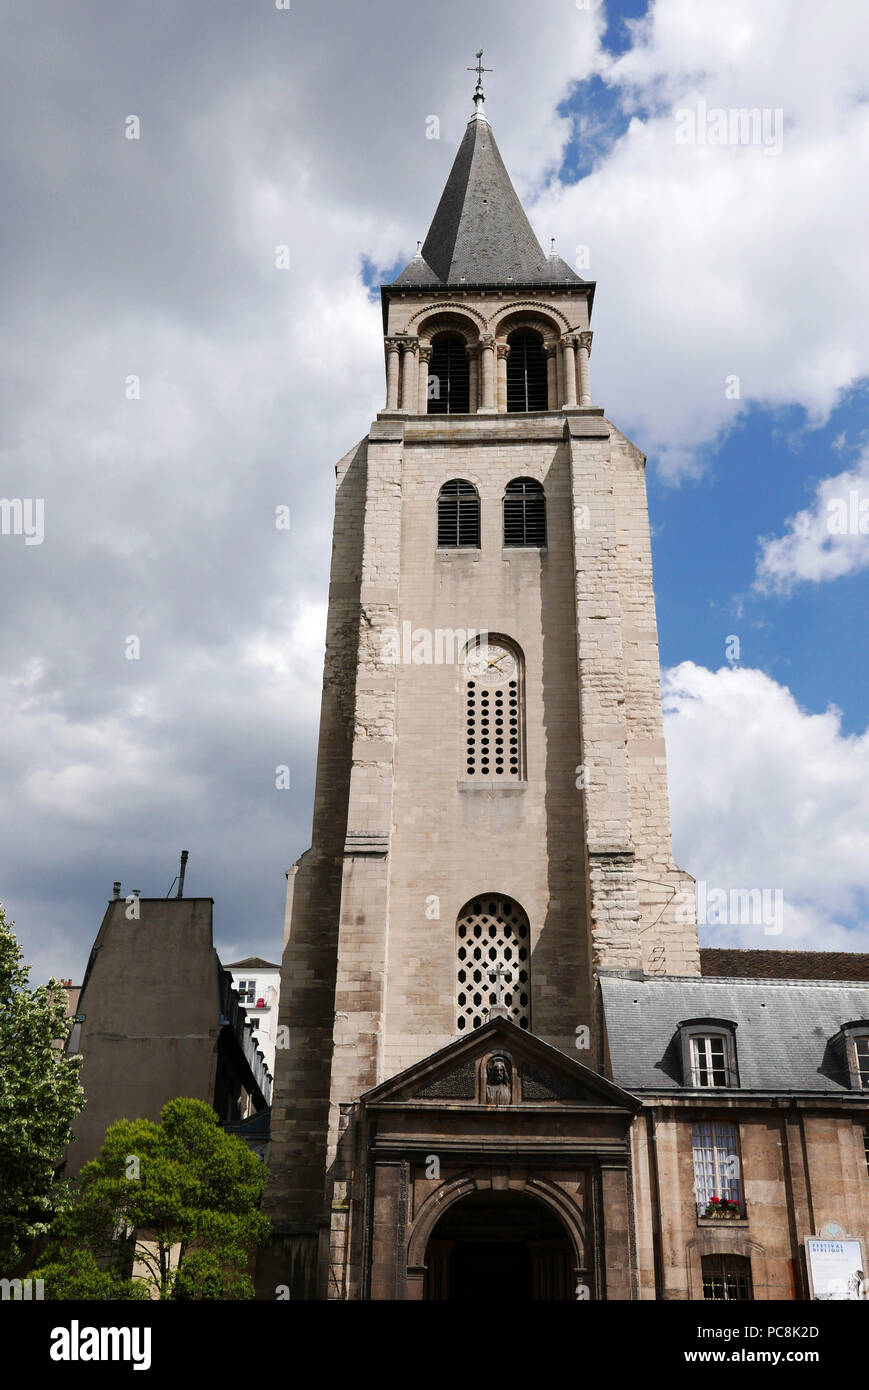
{"points": [[479, 70]]}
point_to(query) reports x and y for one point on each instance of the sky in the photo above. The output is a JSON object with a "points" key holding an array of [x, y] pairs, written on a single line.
{"points": [[168, 379]]}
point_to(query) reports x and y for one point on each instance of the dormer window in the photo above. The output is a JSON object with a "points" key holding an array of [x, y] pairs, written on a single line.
{"points": [[854, 1042], [708, 1053]]}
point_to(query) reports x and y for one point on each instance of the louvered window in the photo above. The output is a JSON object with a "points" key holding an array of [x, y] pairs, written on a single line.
{"points": [[458, 514], [526, 373], [494, 941], [449, 376], [524, 513]]}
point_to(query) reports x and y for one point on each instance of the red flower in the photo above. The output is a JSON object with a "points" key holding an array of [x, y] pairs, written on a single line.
{"points": [[715, 1199]]}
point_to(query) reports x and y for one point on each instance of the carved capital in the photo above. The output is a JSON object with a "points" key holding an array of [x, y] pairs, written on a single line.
{"points": [[551, 349], [394, 344], [503, 349], [410, 345], [585, 340], [425, 352], [487, 340]]}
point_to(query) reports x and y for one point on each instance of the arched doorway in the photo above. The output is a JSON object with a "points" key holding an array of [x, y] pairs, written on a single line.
{"points": [[502, 1246]]}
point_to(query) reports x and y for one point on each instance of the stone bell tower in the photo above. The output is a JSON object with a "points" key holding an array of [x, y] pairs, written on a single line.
{"points": [[491, 822]]}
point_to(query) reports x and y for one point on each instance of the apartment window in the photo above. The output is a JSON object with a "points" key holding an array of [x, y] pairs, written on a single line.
{"points": [[708, 1053], [862, 1050], [726, 1277], [717, 1174], [246, 991], [866, 1145]]}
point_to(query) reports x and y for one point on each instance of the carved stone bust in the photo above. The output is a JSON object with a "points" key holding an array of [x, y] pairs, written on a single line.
{"points": [[499, 1088]]}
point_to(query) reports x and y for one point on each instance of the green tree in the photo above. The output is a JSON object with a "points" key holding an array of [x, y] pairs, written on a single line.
{"points": [[39, 1098], [180, 1199]]}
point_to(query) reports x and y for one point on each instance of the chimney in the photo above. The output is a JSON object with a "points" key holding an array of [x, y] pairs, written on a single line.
{"points": [[116, 888], [184, 857]]}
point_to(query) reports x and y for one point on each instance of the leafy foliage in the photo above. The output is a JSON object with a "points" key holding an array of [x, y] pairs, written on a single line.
{"points": [[179, 1200], [39, 1098]]}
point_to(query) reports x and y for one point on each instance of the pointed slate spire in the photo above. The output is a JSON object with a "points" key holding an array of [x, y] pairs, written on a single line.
{"points": [[479, 234]]}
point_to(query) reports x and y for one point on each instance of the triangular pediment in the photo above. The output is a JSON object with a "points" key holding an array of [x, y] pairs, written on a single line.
{"points": [[465, 1072]]}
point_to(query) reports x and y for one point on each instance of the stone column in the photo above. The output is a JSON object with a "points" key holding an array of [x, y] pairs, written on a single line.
{"points": [[487, 351], [551, 351], [409, 389], [569, 397], [503, 352], [473, 352], [424, 359], [393, 347], [559, 374], [582, 357]]}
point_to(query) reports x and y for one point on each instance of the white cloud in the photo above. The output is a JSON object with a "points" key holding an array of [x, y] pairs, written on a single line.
{"points": [[768, 796], [824, 541], [706, 256]]}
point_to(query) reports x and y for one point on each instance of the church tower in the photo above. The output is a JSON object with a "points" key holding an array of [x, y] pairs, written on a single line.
{"points": [[491, 824]]}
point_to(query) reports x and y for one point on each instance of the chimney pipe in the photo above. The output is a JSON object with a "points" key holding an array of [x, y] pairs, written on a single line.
{"points": [[180, 893], [136, 892], [116, 888]]}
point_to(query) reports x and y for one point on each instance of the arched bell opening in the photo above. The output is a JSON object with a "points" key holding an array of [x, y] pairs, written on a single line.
{"points": [[449, 381], [526, 371]]}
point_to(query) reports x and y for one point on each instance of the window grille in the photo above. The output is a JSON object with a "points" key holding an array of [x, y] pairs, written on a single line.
{"points": [[862, 1045], [526, 373], [524, 513], [458, 514], [493, 932], [866, 1145], [449, 376], [716, 1164], [493, 731], [726, 1277]]}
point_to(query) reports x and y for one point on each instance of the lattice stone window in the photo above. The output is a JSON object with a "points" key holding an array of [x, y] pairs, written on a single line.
{"points": [[493, 938], [726, 1277], [493, 713], [717, 1178]]}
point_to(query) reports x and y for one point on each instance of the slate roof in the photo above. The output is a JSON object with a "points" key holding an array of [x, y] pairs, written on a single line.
{"points": [[791, 965], [480, 234], [783, 1035]]}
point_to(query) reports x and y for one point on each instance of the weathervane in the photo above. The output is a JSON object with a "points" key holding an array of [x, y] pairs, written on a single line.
{"points": [[479, 70]]}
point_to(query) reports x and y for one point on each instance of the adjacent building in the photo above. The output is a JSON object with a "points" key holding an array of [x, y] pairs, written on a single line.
{"points": [[157, 1017]]}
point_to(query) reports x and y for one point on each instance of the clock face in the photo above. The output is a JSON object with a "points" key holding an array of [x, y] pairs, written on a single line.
{"points": [[491, 663]]}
